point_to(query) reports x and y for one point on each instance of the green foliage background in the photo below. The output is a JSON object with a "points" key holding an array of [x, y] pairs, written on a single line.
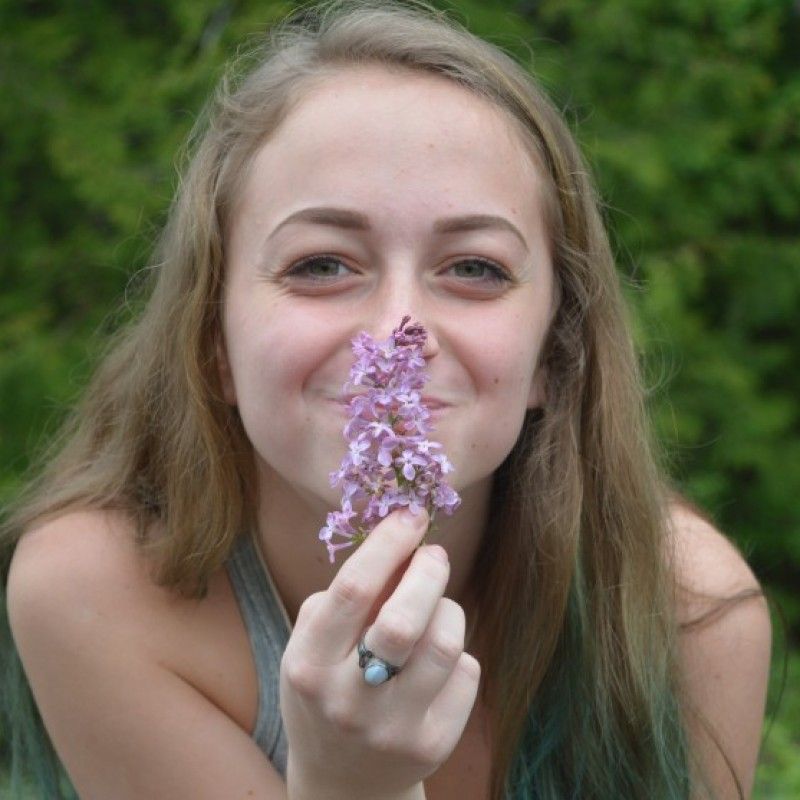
{"points": [[689, 112]]}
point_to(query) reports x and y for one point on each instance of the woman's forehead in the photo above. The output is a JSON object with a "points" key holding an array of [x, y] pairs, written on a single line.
{"points": [[351, 107], [374, 134]]}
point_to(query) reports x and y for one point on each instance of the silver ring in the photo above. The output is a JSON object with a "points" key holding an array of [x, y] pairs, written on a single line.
{"points": [[376, 670]]}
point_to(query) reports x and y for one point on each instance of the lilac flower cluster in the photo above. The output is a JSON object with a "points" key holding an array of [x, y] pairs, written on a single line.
{"points": [[389, 462]]}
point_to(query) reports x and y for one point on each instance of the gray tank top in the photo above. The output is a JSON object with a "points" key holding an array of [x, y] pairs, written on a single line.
{"points": [[268, 628]]}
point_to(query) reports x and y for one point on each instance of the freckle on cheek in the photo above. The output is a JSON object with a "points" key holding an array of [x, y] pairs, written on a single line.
{"points": [[497, 380]]}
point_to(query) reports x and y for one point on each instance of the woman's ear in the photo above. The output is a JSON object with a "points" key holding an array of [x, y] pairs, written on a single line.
{"points": [[224, 372]]}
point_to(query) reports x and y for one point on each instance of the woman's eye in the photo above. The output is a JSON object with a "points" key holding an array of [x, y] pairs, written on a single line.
{"points": [[325, 268], [318, 268], [481, 269]]}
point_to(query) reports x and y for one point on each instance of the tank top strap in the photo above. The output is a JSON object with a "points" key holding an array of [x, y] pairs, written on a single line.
{"points": [[268, 629]]}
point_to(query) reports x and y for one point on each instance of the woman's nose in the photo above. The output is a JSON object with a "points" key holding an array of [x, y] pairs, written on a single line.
{"points": [[431, 346], [389, 315]]}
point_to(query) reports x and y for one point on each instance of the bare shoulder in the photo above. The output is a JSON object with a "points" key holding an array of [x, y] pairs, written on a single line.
{"points": [[707, 564], [84, 557], [724, 651], [85, 567], [143, 694], [78, 577], [86, 547]]}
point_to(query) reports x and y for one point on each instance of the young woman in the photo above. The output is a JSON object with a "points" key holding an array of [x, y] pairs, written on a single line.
{"points": [[573, 630]]}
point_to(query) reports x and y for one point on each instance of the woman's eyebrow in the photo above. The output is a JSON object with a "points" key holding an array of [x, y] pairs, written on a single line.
{"points": [[476, 222], [354, 220]]}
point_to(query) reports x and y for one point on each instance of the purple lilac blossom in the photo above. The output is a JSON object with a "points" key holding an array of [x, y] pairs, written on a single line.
{"points": [[390, 462]]}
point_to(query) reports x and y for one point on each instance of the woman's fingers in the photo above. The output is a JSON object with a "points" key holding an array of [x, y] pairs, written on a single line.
{"points": [[449, 712], [435, 655], [416, 718], [407, 614], [338, 619]]}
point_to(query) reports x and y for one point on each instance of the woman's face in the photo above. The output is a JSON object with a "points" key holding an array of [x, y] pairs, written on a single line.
{"points": [[415, 197]]}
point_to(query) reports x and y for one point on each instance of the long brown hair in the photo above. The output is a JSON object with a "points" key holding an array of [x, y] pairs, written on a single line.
{"points": [[575, 567]]}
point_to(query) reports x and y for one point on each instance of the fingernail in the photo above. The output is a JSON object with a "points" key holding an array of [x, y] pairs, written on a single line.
{"points": [[438, 552], [410, 518]]}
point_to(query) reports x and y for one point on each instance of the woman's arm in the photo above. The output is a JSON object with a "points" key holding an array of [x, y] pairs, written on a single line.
{"points": [[725, 655], [124, 725]]}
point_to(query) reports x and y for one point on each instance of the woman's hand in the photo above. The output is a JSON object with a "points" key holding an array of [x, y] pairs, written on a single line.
{"points": [[348, 739]]}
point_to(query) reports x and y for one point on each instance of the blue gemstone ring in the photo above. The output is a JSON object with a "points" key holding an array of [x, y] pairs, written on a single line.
{"points": [[376, 670]]}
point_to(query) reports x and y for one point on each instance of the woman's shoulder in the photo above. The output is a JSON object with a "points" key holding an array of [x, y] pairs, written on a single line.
{"points": [[706, 563], [83, 566], [92, 556], [129, 680], [89, 552], [87, 562], [724, 650]]}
